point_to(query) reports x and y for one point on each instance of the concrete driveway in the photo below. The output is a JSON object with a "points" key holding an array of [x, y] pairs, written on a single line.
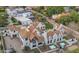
{"points": [[14, 43]]}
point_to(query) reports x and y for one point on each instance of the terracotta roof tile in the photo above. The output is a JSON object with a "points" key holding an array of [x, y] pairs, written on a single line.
{"points": [[50, 33]]}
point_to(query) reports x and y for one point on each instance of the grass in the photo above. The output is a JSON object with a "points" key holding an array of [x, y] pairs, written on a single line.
{"points": [[15, 22], [3, 19], [2, 10], [48, 25], [75, 51]]}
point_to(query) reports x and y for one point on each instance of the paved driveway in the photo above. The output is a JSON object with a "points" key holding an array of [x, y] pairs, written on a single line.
{"points": [[15, 43]]}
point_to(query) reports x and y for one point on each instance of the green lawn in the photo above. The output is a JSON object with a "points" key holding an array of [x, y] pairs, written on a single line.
{"points": [[48, 25]]}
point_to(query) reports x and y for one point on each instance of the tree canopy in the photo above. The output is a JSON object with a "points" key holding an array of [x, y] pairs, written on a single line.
{"points": [[3, 19], [74, 16], [54, 10]]}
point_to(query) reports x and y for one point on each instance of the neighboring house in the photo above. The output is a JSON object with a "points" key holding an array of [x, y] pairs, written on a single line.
{"points": [[28, 15], [25, 18], [30, 38], [11, 13], [16, 12], [24, 21], [52, 37], [10, 31]]}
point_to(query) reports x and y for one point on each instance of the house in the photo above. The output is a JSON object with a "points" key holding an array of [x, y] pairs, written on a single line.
{"points": [[10, 31], [33, 38], [53, 37], [30, 38], [27, 35], [14, 12], [28, 15], [11, 12], [23, 20]]}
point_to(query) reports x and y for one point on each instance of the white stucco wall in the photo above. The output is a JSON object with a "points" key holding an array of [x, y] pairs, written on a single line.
{"points": [[45, 38]]}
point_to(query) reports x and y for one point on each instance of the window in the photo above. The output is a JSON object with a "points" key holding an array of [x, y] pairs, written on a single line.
{"points": [[14, 30], [15, 35], [50, 41], [54, 40], [33, 41], [60, 39], [6, 34], [34, 45], [26, 39], [57, 39], [5, 31], [40, 43]]}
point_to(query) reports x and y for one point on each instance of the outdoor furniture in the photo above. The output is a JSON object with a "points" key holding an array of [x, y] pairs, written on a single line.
{"points": [[52, 46], [62, 44]]}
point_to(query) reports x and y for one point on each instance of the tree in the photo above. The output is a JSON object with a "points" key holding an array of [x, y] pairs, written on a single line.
{"points": [[65, 20], [48, 25], [54, 10], [43, 19], [74, 16], [3, 20]]}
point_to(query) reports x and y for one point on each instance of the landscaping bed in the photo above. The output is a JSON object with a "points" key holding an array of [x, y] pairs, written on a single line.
{"points": [[14, 21]]}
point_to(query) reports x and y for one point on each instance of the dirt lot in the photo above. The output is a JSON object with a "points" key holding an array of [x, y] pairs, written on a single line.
{"points": [[14, 43], [74, 26]]}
